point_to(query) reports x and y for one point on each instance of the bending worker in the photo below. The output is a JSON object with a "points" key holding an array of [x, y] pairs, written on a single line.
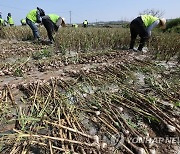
{"points": [[23, 22], [34, 17], [52, 22], [143, 26]]}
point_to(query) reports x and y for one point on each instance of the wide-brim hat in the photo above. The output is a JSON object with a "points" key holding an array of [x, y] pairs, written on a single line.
{"points": [[63, 24], [63, 19], [163, 23]]}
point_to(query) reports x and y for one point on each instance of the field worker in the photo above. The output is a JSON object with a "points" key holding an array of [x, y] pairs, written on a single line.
{"points": [[2, 23], [75, 25], [143, 26], [85, 23], [34, 17], [52, 22], [23, 22], [10, 20]]}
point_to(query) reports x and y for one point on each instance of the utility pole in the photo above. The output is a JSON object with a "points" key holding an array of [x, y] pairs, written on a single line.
{"points": [[70, 16]]}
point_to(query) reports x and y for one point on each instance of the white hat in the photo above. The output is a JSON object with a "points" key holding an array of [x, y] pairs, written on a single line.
{"points": [[63, 19], [163, 23], [63, 24]]}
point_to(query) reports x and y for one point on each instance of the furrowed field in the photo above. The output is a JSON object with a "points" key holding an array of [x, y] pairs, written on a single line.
{"points": [[87, 93]]}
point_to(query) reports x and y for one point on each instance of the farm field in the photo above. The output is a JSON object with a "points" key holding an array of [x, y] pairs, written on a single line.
{"points": [[87, 93]]}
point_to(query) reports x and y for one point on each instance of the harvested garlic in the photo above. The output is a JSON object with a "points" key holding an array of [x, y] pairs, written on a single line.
{"points": [[141, 151], [96, 139], [171, 128], [97, 113], [103, 145]]}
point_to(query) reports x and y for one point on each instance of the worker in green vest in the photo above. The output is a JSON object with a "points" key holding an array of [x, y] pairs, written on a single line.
{"points": [[23, 22], [34, 16], [52, 22], [1, 22], [10, 20], [75, 25], [143, 26], [85, 23]]}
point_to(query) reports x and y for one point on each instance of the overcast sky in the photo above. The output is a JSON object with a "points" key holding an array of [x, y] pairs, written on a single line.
{"points": [[92, 10]]}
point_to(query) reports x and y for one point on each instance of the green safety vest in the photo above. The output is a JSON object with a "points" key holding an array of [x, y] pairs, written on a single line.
{"points": [[10, 21], [23, 21], [1, 22], [54, 17], [148, 19], [75, 25], [85, 22], [32, 15]]}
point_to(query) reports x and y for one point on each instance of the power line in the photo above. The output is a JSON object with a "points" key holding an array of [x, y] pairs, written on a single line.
{"points": [[70, 16]]}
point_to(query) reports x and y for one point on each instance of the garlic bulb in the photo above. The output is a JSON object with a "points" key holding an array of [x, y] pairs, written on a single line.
{"points": [[152, 151], [141, 151], [121, 109], [103, 145], [97, 113], [96, 139], [171, 128]]}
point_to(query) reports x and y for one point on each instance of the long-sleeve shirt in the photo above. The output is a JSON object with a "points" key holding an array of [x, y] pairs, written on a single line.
{"points": [[153, 25]]}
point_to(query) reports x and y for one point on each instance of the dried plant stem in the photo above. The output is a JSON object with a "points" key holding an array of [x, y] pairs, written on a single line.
{"points": [[70, 129], [70, 137], [10, 95], [50, 146], [67, 118], [21, 134], [54, 147], [127, 149], [15, 149], [109, 126], [35, 96], [167, 118], [76, 121]]}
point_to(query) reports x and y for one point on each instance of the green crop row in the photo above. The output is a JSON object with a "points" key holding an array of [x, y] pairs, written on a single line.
{"points": [[163, 45]]}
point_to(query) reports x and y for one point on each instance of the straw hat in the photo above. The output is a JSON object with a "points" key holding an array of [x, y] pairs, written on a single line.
{"points": [[163, 23], [63, 24], [63, 19]]}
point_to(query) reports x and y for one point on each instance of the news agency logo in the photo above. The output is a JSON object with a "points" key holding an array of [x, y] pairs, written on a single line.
{"points": [[165, 140], [117, 140]]}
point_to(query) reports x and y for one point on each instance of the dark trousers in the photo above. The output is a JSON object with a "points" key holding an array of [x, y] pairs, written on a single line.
{"points": [[34, 28], [50, 27], [85, 25], [137, 27]]}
